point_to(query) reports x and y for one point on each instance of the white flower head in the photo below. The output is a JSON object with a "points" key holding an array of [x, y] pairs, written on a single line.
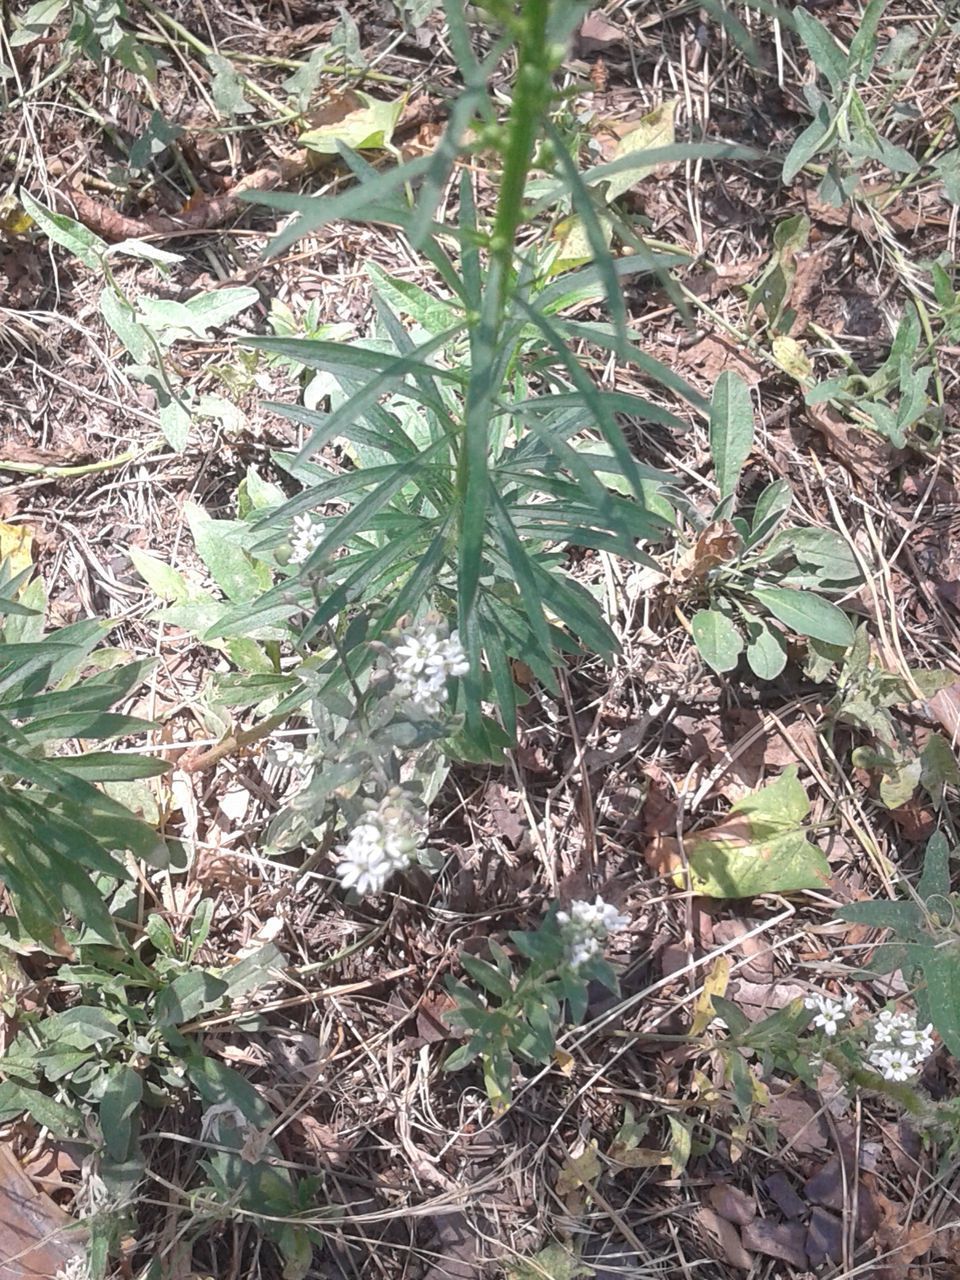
{"points": [[74, 1268], [585, 928], [899, 1047], [830, 1013], [424, 660], [384, 842], [307, 536]]}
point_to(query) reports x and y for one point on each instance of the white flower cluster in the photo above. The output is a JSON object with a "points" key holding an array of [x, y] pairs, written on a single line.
{"points": [[74, 1268], [384, 842], [585, 928], [307, 536], [424, 659], [830, 1012], [899, 1047]]}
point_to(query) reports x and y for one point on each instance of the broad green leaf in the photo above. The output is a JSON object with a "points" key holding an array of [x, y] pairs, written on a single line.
{"points": [[766, 651], [904, 918], [941, 969], [806, 613], [66, 231], [161, 578], [235, 573], [193, 318], [718, 640], [36, 22], [935, 879], [227, 87], [120, 315], [118, 1110], [761, 847], [189, 995], [939, 767], [358, 121], [822, 550], [654, 130], [863, 46], [731, 430]]}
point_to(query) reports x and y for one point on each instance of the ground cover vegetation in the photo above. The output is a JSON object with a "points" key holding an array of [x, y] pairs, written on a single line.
{"points": [[479, 691]]}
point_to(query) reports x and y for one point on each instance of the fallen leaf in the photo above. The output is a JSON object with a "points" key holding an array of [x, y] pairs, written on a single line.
{"points": [[713, 355], [717, 545], [864, 453], [37, 1239], [824, 1238], [944, 706], [597, 33], [784, 1240], [780, 1190], [456, 1249], [621, 139], [761, 847], [579, 1170], [16, 543], [802, 1128], [792, 359], [733, 1204], [355, 118], [724, 1234], [715, 984]]}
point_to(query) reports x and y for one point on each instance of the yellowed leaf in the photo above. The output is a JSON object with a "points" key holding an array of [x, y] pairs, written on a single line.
{"points": [[14, 219], [573, 243], [579, 1171], [355, 119], [563, 1061], [16, 544], [792, 359], [656, 129], [715, 985]]}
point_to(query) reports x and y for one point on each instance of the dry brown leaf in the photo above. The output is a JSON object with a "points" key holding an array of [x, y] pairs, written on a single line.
{"points": [[865, 454], [713, 354], [901, 1243], [597, 33], [732, 1204], [717, 545], [944, 706], [824, 1241], [800, 1125], [784, 1240], [37, 1238], [724, 1234], [780, 1190]]}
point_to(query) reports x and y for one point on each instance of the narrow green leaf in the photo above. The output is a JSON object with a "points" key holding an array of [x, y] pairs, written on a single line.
{"points": [[731, 430], [118, 1109]]}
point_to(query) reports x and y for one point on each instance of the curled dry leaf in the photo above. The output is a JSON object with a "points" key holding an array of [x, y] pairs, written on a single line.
{"points": [[717, 545], [37, 1238]]}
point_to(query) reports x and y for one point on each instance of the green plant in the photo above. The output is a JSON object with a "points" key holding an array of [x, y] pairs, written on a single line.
{"points": [[149, 327], [926, 943], [59, 829], [519, 1015], [841, 123], [758, 582], [96, 30], [121, 1044], [481, 447]]}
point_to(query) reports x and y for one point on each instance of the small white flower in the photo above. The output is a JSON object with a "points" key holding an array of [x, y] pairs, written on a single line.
{"points": [[382, 844], [899, 1047], [307, 536], [830, 1013], [423, 662], [74, 1268], [895, 1064], [586, 926]]}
